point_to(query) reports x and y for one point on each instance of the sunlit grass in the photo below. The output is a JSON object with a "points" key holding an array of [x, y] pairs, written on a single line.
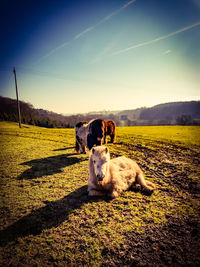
{"points": [[186, 135], [44, 193]]}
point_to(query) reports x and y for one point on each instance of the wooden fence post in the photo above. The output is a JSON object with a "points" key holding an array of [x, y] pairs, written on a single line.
{"points": [[18, 106]]}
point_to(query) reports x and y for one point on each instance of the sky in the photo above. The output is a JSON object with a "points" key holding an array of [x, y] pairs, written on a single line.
{"points": [[95, 55]]}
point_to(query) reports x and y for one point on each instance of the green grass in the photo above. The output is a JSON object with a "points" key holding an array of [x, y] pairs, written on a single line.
{"points": [[46, 215], [180, 135]]}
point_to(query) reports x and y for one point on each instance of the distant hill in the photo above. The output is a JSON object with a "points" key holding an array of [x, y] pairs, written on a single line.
{"points": [[41, 117], [181, 113], [171, 111], [187, 112], [131, 114], [30, 115]]}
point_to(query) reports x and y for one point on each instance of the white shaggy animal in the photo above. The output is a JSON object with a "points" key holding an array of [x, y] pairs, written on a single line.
{"points": [[112, 176]]}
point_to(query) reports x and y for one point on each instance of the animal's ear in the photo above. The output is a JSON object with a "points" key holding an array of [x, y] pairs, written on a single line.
{"points": [[93, 150], [106, 150]]}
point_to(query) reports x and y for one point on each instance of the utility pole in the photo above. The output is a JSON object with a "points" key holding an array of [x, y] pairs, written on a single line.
{"points": [[18, 106]]}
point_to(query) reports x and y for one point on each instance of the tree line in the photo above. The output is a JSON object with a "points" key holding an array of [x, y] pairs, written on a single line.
{"points": [[41, 117], [180, 113]]}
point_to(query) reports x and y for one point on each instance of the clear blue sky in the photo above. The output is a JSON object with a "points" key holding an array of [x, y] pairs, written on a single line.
{"points": [[79, 56]]}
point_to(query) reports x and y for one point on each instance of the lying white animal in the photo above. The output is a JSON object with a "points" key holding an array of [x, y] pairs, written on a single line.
{"points": [[112, 176]]}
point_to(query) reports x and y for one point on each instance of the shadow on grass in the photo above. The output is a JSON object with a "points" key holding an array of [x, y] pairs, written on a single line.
{"points": [[49, 166], [52, 215], [64, 148]]}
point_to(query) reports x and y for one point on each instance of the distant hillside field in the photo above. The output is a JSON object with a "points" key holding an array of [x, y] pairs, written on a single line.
{"points": [[47, 218]]}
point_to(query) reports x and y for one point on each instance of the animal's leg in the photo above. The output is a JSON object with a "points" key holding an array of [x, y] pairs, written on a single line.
{"points": [[83, 151], [99, 141], [146, 186], [114, 193], [90, 141], [136, 187], [94, 192], [150, 184], [112, 137], [77, 147]]}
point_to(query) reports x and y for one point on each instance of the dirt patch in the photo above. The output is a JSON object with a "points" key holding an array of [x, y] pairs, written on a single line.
{"points": [[174, 244]]}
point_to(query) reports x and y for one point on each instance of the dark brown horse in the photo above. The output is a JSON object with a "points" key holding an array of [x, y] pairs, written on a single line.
{"points": [[110, 129]]}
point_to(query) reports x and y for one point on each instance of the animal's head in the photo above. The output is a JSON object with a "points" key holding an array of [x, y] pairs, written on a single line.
{"points": [[78, 126], [99, 159], [79, 133]]}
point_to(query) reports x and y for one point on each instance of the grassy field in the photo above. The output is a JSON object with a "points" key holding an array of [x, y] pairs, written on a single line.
{"points": [[47, 218]]}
